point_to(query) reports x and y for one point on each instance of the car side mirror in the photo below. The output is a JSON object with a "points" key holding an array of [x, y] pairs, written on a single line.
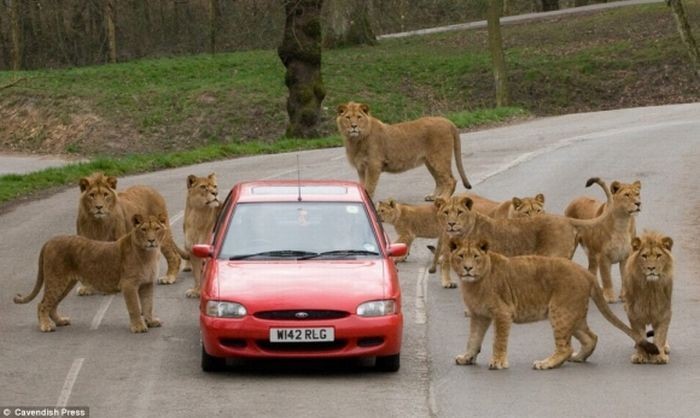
{"points": [[397, 250], [203, 250]]}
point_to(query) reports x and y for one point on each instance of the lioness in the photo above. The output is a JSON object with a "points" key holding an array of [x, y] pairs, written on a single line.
{"points": [[545, 234], [105, 215], [374, 147], [648, 285], [611, 243], [527, 289], [519, 207], [201, 209], [129, 265]]}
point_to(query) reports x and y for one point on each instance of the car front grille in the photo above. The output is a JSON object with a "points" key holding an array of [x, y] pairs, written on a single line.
{"points": [[301, 315], [310, 346]]}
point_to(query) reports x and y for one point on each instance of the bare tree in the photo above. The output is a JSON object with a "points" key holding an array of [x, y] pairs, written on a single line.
{"points": [[548, 5], [300, 53], [110, 30], [15, 30], [497, 56], [685, 33], [213, 24], [348, 23]]}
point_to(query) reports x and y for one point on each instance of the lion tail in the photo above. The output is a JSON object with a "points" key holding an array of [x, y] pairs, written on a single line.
{"points": [[640, 340], [457, 144], [37, 286], [182, 253], [587, 223]]}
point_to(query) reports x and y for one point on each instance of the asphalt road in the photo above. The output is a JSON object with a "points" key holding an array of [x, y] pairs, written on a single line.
{"points": [[97, 362]]}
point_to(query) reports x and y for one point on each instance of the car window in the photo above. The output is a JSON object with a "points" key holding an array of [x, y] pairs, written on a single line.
{"points": [[299, 229]]}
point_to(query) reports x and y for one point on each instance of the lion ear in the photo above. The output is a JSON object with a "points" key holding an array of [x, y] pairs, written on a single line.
{"points": [[636, 244], [212, 176], [637, 184], [341, 109], [439, 202], [137, 219], [667, 242], [190, 180], [364, 108], [391, 202], [467, 202], [84, 184], [614, 186], [540, 198], [162, 218], [454, 244], [517, 202], [484, 245], [112, 182]]}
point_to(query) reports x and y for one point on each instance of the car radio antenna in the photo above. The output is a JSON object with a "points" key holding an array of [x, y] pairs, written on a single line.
{"points": [[298, 180]]}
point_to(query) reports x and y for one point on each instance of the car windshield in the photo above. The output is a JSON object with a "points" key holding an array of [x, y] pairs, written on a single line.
{"points": [[299, 230]]}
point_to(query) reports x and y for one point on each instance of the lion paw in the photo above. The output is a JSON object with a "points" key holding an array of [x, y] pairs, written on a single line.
{"points": [[62, 321], [47, 327], [192, 293], [609, 296], [187, 266], [153, 323], [85, 290], [167, 280], [543, 365], [139, 327], [659, 359], [498, 364], [465, 359], [449, 285], [638, 358]]}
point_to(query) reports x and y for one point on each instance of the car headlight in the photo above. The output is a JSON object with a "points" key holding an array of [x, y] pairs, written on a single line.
{"points": [[221, 309], [377, 308]]}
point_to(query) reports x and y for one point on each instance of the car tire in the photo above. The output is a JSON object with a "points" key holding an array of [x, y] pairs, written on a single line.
{"points": [[212, 363], [388, 363]]}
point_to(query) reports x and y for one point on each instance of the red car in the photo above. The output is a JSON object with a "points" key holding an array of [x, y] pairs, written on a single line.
{"points": [[300, 269]]}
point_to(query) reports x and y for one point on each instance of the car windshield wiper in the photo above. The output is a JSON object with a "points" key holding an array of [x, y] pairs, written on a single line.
{"points": [[276, 254], [340, 253]]}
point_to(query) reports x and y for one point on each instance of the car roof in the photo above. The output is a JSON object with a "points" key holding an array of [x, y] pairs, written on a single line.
{"points": [[290, 190]]}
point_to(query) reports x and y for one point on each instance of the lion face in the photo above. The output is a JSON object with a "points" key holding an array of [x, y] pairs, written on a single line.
{"points": [[98, 194], [149, 233], [388, 211], [353, 119], [626, 196], [527, 207], [469, 259], [455, 214], [652, 254], [203, 191]]}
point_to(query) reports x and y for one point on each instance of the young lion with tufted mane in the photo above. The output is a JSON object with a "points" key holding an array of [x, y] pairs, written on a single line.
{"points": [[105, 215], [611, 243], [519, 207], [374, 147], [129, 265], [648, 285], [526, 289], [201, 209], [545, 234]]}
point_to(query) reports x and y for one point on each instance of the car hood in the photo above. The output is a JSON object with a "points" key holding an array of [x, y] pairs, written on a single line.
{"points": [[301, 284]]}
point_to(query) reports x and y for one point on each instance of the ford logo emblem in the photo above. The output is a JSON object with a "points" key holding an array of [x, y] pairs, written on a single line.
{"points": [[301, 315]]}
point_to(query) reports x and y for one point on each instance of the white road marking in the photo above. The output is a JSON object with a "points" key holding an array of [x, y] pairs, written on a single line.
{"points": [[101, 312], [421, 295], [176, 217], [69, 382]]}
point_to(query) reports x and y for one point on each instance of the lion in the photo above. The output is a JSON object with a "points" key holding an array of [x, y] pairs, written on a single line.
{"points": [[104, 215], [373, 147], [648, 285], [129, 265], [201, 210], [611, 243], [526, 289], [545, 234], [517, 207]]}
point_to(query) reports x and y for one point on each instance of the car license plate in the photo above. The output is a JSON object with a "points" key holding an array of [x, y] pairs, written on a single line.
{"points": [[301, 335]]}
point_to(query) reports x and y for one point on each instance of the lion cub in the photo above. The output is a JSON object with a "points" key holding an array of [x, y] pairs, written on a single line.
{"points": [[129, 265], [611, 242], [201, 209], [519, 208], [648, 285], [525, 289]]}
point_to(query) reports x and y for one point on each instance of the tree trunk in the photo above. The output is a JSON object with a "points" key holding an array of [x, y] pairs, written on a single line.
{"points": [[497, 56], [300, 53], [15, 33], [686, 35], [348, 23], [548, 5], [213, 24], [110, 31]]}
